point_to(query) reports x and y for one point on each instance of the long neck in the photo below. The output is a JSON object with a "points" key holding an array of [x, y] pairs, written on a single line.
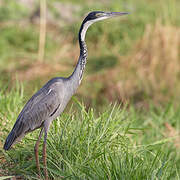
{"points": [[77, 74], [79, 70]]}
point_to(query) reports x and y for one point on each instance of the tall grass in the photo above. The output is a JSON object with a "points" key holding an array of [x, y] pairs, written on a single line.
{"points": [[118, 143]]}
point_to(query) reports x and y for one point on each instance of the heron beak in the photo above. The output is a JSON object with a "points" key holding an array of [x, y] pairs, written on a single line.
{"points": [[114, 14]]}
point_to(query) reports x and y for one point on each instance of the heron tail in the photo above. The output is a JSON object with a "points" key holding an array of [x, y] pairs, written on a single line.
{"points": [[16, 134], [9, 140]]}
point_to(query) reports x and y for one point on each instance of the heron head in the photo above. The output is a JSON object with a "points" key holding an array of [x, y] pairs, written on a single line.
{"points": [[95, 16]]}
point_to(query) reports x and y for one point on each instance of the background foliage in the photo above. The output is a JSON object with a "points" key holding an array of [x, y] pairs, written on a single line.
{"points": [[141, 51]]}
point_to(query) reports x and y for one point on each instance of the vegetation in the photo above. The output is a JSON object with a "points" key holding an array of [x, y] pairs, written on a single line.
{"points": [[134, 63], [120, 143], [143, 61]]}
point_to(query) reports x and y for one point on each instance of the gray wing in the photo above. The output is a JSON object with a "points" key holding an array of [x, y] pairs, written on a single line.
{"points": [[39, 108]]}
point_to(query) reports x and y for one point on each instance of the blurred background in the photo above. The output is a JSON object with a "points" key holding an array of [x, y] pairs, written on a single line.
{"points": [[132, 59]]}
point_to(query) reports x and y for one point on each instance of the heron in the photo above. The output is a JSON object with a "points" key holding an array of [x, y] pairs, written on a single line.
{"points": [[50, 101]]}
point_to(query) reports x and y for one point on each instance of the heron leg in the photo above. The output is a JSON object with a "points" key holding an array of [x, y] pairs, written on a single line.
{"points": [[46, 129], [36, 151], [44, 157]]}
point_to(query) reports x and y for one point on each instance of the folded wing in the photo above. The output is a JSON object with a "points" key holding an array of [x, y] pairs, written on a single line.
{"points": [[40, 107]]}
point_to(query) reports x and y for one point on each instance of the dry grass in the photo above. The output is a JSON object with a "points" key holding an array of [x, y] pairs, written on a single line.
{"points": [[157, 59], [151, 70], [172, 132], [37, 69]]}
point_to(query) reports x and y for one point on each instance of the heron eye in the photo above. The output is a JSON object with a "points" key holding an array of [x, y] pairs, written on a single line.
{"points": [[98, 15]]}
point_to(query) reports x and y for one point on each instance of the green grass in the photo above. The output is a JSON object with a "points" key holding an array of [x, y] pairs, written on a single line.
{"points": [[118, 143], [111, 44], [11, 10]]}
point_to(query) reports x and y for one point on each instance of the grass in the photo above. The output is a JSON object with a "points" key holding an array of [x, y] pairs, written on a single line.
{"points": [[118, 143]]}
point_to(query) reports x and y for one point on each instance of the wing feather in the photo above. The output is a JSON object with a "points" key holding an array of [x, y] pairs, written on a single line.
{"points": [[39, 108]]}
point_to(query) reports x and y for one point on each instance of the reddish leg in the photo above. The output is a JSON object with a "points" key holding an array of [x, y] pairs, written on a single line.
{"points": [[44, 157], [36, 151]]}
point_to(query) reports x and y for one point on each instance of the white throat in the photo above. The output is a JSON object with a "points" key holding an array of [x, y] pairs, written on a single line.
{"points": [[87, 24], [85, 27]]}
